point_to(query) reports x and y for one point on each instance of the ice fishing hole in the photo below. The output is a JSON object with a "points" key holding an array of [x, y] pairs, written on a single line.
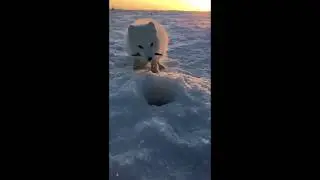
{"points": [[159, 91]]}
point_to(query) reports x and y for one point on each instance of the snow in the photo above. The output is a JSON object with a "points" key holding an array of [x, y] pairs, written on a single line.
{"points": [[171, 141]]}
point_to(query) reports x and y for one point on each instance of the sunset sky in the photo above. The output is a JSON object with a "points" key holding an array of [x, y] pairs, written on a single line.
{"points": [[185, 5]]}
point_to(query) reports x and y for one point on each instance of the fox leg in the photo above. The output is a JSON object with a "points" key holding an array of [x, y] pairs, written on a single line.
{"points": [[161, 67], [154, 66]]}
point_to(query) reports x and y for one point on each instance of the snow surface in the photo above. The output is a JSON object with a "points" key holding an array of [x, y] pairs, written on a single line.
{"points": [[172, 141]]}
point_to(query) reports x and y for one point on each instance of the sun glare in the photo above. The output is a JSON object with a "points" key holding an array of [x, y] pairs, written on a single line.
{"points": [[200, 5], [187, 5]]}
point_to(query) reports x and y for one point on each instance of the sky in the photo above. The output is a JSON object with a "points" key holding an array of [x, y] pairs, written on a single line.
{"points": [[184, 5]]}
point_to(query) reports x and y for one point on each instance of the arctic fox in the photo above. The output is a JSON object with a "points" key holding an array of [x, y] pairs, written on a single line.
{"points": [[147, 41]]}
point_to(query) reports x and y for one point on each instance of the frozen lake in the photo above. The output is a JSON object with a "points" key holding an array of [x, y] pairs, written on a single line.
{"points": [[172, 141]]}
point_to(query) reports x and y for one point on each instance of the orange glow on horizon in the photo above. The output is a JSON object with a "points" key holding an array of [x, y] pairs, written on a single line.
{"points": [[183, 5]]}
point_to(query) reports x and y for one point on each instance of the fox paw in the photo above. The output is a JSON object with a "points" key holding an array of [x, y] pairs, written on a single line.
{"points": [[154, 68], [161, 67]]}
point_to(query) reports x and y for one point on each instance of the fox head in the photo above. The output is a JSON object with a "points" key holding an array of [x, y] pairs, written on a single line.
{"points": [[143, 41]]}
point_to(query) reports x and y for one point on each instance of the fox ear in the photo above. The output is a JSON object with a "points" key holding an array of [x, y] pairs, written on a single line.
{"points": [[131, 29], [151, 24]]}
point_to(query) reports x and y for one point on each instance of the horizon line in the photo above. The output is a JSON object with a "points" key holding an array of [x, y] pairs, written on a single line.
{"points": [[155, 10]]}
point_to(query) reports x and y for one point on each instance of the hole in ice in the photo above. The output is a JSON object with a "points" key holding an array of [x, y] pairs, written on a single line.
{"points": [[158, 90]]}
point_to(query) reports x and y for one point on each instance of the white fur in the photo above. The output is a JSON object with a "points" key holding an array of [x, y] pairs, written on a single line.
{"points": [[143, 32]]}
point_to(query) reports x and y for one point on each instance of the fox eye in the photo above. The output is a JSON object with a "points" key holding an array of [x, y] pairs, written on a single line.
{"points": [[140, 46], [151, 44]]}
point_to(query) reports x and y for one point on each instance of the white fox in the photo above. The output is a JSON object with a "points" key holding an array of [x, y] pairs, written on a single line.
{"points": [[147, 41]]}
